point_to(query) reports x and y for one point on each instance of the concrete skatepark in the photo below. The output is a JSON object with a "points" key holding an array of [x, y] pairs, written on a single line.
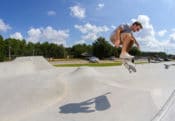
{"points": [[33, 90]]}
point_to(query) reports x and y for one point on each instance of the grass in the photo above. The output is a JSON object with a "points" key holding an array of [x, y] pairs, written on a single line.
{"points": [[90, 64], [118, 63]]}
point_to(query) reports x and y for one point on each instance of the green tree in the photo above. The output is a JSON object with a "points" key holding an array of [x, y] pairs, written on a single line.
{"points": [[61, 52], [30, 48], [134, 51], [116, 51], [45, 49], [37, 49], [2, 49], [101, 48], [56, 51], [15, 46], [78, 49]]}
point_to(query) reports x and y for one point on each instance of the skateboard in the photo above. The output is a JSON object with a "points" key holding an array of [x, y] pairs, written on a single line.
{"points": [[129, 64]]}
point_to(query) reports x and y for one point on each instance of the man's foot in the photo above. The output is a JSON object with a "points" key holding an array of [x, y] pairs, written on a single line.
{"points": [[126, 55]]}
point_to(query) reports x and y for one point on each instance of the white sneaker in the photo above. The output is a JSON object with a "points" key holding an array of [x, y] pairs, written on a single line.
{"points": [[126, 56]]}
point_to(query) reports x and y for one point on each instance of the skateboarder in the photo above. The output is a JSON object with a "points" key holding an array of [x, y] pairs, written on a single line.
{"points": [[122, 35]]}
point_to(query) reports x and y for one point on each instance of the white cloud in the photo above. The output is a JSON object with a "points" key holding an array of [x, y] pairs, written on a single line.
{"points": [[3, 26], [146, 36], [17, 35], [162, 32], [80, 42], [173, 29], [172, 38], [90, 36], [113, 27], [90, 32], [88, 28], [51, 13], [78, 11], [48, 34], [147, 39], [100, 5], [148, 30], [34, 35]]}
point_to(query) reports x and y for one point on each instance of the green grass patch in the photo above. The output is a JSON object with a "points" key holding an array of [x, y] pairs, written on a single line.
{"points": [[118, 63], [90, 64], [141, 62]]}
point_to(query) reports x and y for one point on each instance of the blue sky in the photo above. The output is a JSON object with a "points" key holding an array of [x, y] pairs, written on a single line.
{"points": [[70, 22]]}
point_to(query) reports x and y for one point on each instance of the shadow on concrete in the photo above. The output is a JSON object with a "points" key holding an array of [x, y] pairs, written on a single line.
{"points": [[99, 103]]}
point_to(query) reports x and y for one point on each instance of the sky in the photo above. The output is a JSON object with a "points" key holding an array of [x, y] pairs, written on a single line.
{"points": [[71, 22]]}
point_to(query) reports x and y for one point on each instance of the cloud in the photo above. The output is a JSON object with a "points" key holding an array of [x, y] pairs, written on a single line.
{"points": [[162, 32], [148, 40], [100, 5], [172, 38], [34, 35], [173, 29], [17, 35], [78, 11], [146, 36], [48, 34], [51, 13], [3, 26], [90, 32], [113, 27], [148, 30]]}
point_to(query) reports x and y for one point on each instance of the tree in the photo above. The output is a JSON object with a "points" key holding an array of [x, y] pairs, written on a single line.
{"points": [[30, 48], [56, 51], [61, 52], [15, 47], [78, 49], [37, 49], [101, 48], [45, 49], [134, 51], [116, 51], [2, 49]]}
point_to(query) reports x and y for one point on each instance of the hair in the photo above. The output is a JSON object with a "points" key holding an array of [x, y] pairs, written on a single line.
{"points": [[138, 24]]}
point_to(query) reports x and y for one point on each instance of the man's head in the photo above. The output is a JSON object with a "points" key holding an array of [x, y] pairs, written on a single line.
{"points": [[136, 26]]}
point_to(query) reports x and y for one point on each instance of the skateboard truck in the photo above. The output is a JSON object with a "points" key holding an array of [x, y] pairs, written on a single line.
{"points": [[129, 67]]}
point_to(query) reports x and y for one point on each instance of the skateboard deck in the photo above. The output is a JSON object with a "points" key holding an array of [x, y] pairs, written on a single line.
{"points": [[129, 65]]}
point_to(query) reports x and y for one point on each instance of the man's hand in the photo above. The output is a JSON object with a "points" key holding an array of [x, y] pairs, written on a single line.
{"points": [[137, 44]]}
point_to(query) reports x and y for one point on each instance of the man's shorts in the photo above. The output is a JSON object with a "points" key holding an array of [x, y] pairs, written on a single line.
{"points": [[122, 37]]}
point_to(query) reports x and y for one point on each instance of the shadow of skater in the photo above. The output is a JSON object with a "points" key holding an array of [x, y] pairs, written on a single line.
{"points": [[101, 103]]}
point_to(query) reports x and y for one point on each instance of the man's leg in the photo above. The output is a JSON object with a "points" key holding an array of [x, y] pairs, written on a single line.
{"points": [[127, 43], [114, 41], [131, 42]]}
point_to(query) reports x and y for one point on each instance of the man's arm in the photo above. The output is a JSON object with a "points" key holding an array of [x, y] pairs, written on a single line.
{"points": [[118, 31], [137, 44]]}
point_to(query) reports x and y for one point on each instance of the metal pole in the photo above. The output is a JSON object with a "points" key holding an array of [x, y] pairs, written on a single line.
{"points": [[9, 52], [33, 52]]}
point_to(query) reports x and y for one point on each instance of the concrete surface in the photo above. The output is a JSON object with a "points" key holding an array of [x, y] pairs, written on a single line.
{"points": [[33, 90]]}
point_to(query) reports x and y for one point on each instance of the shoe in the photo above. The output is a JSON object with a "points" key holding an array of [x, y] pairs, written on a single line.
{"points": [[126, 56]]}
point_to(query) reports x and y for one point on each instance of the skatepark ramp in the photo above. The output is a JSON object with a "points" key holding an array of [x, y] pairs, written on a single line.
{"points": [[29, 85], [36, 91], [39, 62], [24, 65], [167, 111]]}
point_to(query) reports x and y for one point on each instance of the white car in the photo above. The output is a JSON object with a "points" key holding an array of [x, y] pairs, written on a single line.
{"points": [[112, 58], [93, 59]]}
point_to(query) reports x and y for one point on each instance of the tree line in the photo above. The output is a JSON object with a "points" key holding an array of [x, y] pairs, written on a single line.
{"points": [[101, 48]]}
